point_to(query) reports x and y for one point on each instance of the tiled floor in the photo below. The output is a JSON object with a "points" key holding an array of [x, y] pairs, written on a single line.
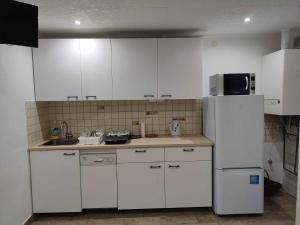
{"points": [[279, 210]]}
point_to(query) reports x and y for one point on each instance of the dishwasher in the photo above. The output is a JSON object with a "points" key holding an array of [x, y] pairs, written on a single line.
{"points": [[98, 179]]}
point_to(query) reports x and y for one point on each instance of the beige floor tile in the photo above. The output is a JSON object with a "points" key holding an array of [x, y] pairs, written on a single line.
{"points": [[105, 221], [279, 210]]}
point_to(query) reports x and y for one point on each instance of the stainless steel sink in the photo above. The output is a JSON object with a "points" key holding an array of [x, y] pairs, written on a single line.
{"points": [[61, 142]]}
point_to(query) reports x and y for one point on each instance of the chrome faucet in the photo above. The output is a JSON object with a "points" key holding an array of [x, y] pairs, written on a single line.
{"points": [[65, 124]]}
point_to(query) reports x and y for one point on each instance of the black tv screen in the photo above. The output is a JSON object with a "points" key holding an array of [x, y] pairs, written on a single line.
{"points": [[18, 23]]}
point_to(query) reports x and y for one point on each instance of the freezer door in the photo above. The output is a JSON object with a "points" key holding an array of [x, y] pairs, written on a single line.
{"points": [[238, 191], [239, 131]]}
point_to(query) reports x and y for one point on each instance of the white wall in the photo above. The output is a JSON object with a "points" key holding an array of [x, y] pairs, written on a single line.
{"points": [[16, 85], [298, 196], [274, 152], [236, 54]]}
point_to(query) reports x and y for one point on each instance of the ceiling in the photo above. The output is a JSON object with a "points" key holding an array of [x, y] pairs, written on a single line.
{"points": [[185, 17]]}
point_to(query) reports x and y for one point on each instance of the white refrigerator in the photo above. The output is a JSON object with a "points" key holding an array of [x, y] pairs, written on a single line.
{"points": [[236, 126]]}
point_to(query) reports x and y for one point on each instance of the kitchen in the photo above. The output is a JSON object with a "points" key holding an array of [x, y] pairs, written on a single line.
{"points": [[152, 86]]}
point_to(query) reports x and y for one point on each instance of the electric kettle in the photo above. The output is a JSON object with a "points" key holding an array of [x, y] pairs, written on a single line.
{"points": [[175, 128]]}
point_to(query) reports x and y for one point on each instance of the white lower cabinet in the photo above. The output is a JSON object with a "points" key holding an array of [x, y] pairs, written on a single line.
{"points": [[188, 184], [146, 178], [184, 181], [141, 185], [55, 178]]}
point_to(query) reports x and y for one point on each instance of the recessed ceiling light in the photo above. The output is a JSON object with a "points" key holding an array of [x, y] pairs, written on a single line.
{"points": [[77, 22], [247, 19]]}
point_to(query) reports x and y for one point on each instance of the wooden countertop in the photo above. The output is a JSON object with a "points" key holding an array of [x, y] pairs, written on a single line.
{"points": [[165, 141]]}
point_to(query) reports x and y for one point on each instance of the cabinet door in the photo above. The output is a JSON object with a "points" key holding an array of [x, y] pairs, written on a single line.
{"points": [[179, 68], [57, 70], [96, 69], [141, 186], [134, 69], [55, 177], [98, 186], [188, 184]]}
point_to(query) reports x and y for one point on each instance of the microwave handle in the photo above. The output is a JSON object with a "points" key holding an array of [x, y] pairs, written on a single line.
{"points": [[247, 83]]}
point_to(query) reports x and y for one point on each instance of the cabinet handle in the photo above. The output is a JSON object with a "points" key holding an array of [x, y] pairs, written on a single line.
{"points": [[247, 83], [166, 96], [188, 150], [70, 97], [69, 154], [140, 151], [148, 96], [98, 160], [91, 96], [177, 166], [155, 167]]}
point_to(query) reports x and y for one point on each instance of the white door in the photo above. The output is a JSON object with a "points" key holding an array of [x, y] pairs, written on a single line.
{"points": [[99, 186], [96, 69], [188, 184], [57, 70], [239, 131], [141, 185], [134, 69], [239, 191], [55, 178], [179, 68]]}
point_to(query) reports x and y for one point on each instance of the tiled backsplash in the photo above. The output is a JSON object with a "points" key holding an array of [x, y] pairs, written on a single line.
{"points": [[38, 126], [274, 134], [112, 115], [273, 129], [126, 115]]}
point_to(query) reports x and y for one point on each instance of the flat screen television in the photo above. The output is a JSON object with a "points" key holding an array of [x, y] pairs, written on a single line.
{"points": [[18, 23]]}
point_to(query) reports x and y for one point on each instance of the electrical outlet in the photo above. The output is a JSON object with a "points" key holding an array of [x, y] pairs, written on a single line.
{"points": [[100, 108], [151, 112], [134, 123], [179, 118]]}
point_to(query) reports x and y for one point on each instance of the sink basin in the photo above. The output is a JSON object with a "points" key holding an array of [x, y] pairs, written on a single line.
{"points": [[61, 142]]}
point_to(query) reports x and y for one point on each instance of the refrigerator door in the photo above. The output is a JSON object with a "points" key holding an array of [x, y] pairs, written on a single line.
{"points": [[239, 191], [239, 122]]}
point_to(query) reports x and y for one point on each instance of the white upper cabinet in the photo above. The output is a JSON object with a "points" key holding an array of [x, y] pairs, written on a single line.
{"points": [[281, 79], [119, 69], [134, 69], [96, 69], [179, 68], [57, 70]]}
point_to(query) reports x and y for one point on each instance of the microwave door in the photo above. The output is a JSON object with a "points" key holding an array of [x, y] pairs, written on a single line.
{"points": [[236, 84]]}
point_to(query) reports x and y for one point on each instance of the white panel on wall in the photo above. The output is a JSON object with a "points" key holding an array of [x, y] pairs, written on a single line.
{"points": [[273, 151], [236, 54], [16, 86]]}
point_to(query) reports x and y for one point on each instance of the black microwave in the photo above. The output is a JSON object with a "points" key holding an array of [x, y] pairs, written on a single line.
{"points": [[232, 84]]}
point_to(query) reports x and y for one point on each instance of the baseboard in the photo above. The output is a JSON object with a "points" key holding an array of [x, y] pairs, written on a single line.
{"points": [[29, 220]]}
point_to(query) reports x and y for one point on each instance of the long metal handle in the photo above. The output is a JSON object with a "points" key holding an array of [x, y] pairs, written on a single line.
{"points": [[188, 150], [98, 160], [155, 167], [177, 166], [148, 96], [166, 96], [70, 97], [140, 151], [69, 154], [247, 83], [90, 96]]}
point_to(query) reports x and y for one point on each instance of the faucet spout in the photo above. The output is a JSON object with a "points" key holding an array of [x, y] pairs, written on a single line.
{"points": [[67, 135]]}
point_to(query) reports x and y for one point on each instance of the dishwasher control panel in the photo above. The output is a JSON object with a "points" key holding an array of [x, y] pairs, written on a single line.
{"points": [[94, 159]]}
